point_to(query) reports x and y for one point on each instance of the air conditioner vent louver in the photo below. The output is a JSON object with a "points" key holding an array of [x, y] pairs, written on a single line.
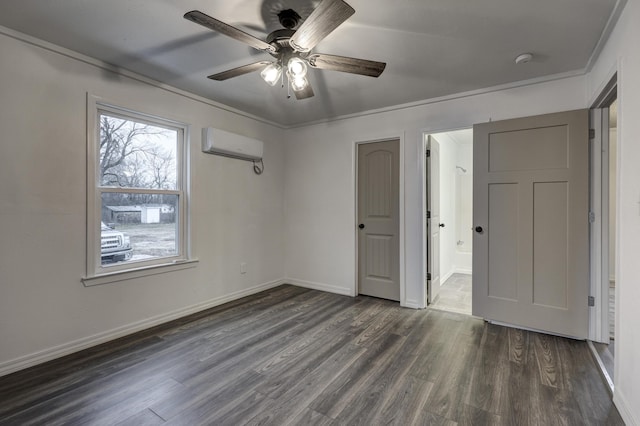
{"points": [[220, 142]]}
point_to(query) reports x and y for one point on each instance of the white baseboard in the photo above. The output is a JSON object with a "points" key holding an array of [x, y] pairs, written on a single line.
{"points": [[445, 277], [603, 370], [320, 286], [49, 354], [413, 304], [624, 408], [462, 271]]}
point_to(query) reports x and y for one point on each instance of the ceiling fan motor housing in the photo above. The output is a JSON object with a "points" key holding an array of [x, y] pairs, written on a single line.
{"points": [[289, 18]]}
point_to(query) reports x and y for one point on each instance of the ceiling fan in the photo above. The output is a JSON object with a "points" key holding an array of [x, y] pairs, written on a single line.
{"points": [[291, 47]]}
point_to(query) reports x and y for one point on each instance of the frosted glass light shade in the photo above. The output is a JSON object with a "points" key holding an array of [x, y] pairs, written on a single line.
{"points": [[299, 83], [271, 73], [297, 67]]}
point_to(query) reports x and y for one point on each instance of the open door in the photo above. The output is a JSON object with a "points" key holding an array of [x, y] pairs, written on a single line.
{"points": [[433, 219], [531, 240]]}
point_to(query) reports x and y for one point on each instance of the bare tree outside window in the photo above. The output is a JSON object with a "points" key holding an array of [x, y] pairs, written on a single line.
{"points": [[139, 188], [136, 155]]}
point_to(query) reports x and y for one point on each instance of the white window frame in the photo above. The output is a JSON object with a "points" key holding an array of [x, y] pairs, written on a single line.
{"points": [[96, 272]]}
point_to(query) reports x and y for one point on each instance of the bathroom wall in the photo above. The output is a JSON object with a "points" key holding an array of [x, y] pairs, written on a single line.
{"points": [[464, 202]]}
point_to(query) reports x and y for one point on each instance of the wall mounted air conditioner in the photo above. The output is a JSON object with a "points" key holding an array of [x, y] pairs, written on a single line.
{"points": [[219, 142]]}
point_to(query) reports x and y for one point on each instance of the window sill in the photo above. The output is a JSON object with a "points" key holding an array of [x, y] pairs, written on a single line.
{"points": [[130, 274]]}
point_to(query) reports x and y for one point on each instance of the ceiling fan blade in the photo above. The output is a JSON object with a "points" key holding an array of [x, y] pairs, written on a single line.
{"points": [[346, 64], [235, 72], [305, 93], [323, 20], [228, 30]]}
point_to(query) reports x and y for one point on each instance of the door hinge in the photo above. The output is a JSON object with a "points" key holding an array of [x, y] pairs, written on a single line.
{"points": [[592, 217], [428, 153], [592, 301], [429, 276], [592, 133], [428, 215]]}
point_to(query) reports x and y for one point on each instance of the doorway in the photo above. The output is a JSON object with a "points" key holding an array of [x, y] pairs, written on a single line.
{"points": [[448, 220], [604, 121]]}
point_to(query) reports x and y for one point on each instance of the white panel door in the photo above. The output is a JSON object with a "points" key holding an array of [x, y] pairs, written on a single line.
{"points": [[433, 219], [530, 208], [378, 219]]}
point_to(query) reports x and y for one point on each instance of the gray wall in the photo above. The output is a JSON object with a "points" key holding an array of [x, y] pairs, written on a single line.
{"points": [[236, 215]]}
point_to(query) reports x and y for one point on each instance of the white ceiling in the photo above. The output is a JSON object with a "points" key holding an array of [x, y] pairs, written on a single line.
{"points": [[432, 48]]}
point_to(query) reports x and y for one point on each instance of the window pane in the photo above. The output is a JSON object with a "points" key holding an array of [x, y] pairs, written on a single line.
{"points": [[136, 154], [137, 227]]}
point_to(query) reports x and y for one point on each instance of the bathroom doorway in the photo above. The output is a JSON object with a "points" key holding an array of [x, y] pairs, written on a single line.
{"points": [[607, 173], [450, 254]]}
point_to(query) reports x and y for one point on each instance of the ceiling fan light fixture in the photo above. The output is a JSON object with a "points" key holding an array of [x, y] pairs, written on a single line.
{"points": [[299, 83], [297, 67], [271, 73], [290, 47]]}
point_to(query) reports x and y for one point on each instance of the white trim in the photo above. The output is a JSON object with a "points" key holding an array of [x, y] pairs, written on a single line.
{"points": [[463, 271], [131, 274], [413, 304], [96, 105], [606, 32], [514, 85], [599, 205], [329, 288], [129, 74], [603, 85], [603, 369], [402, 224], [96, 339], [596, 325], [422, 164], [624, 408], [354, 186], [445, 277], [155, 83], [620, 283]]}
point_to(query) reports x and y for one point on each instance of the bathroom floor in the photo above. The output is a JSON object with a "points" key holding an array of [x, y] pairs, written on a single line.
{"points": [[455, 295]]}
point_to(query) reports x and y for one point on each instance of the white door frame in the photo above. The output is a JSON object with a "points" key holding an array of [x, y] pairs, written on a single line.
{"points": [[354, 185], [424, 145], [436, 278], [599, 209]]}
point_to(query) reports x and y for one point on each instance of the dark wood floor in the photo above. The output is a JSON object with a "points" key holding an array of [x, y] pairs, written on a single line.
{"points": [[297, 356]]}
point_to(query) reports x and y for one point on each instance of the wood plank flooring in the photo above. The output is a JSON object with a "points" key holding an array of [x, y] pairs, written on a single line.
{"points": [[297, 356]]}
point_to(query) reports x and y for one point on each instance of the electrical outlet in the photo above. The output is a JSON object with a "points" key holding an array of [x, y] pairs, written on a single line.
{"points": [[243, 268]]}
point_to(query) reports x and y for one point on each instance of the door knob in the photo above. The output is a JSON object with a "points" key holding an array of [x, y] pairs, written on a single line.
{"points": [[479, 229], [441, 225], [361, 226]]}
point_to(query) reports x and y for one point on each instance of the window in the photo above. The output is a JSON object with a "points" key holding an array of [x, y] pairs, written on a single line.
{"points": [[136, 198]]}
